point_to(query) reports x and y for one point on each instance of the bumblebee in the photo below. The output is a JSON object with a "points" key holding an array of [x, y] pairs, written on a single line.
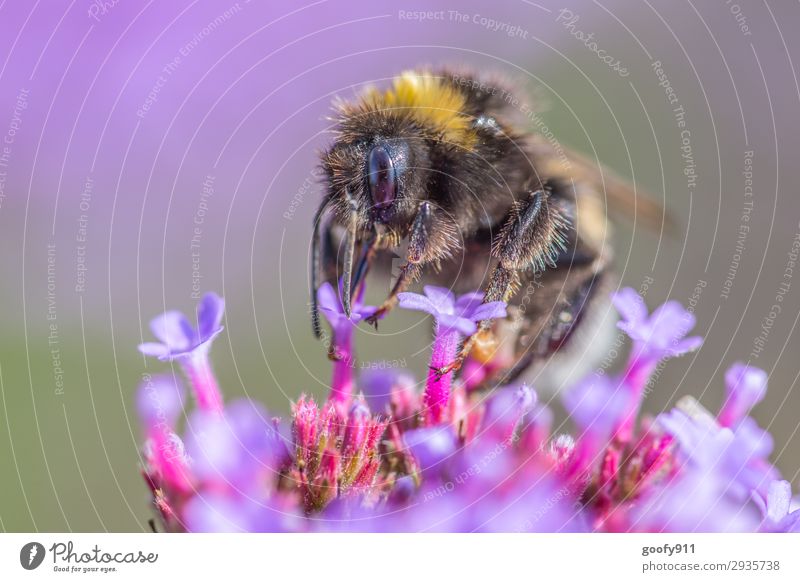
{"points": [[443, 163]]}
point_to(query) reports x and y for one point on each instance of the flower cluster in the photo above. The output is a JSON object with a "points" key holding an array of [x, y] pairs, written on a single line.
{"points": [[381, 455]]}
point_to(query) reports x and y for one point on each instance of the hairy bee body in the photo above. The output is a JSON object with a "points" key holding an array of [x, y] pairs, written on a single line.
{"points": [[442, 161]]}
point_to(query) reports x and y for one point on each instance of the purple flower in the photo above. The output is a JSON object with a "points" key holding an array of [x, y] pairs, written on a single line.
{"points": [[738, 457], [458, 463], [655, 337], [659, 335], [700, 438], [178, 337], [450, 314], [331, 307], [454, 319], [716, 475], [745, 386], [341, 347], [189, 346]]}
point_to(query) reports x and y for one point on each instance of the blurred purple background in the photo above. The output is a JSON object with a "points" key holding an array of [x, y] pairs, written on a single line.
{"points": [[153, 150]]}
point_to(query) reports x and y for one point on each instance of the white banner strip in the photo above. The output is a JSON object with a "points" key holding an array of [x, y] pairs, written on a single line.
{"points": [[401, 557]]}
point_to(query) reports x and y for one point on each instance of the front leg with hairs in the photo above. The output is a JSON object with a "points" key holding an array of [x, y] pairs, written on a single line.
{"points": [[431, 239]]}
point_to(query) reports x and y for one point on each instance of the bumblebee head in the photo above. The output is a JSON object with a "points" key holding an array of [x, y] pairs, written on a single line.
{"points": [[386, 173], [377, 171], [386, 141]]}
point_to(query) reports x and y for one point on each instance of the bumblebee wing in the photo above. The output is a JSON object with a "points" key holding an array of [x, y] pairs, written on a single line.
{"points": [[620, 194]]}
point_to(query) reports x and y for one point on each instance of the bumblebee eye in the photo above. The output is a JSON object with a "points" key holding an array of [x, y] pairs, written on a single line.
{"points": [[382, 177]]}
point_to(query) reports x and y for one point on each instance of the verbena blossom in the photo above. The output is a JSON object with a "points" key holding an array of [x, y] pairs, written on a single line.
{"points": [[455, 319], [189, 346], [656, 337], [341, 344], [382, 455]]}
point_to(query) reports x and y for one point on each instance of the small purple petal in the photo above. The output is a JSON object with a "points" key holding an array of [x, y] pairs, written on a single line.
{"points": [[662, 335], [209, 315], [731, 458], [779, 500], [178, 338], [690, 344], [173, 329], [439, 303], [493, 310], [468, 301], [360, 313], [327, 298], [628, 328], [417, 302], [209, 441], [155, 350], [441, 297], [670, 323], [630, 305], [695, 501], [331, 307], [671, 320], [699, 437]]}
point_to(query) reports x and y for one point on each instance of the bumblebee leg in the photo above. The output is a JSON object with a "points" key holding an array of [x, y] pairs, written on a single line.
{"points": [[408, 274], [431, 239], [573, 297], [532, 238]]}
